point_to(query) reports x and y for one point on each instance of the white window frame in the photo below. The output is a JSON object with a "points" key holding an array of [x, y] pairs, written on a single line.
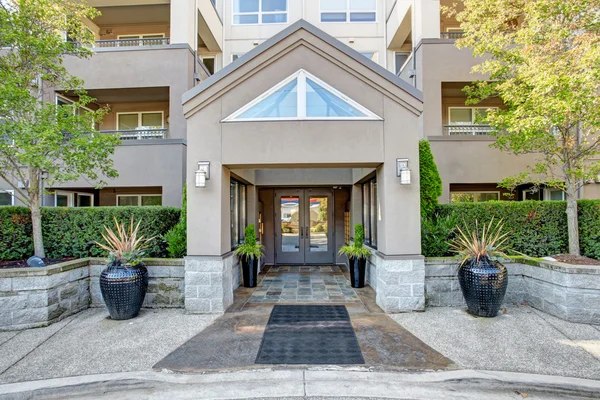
{"points": [[472, 113], [139, 124], [90, 195], [70, 197], [375, 57], [528, 191], [302, 75], [11, 192], [68, 100], [260, 14], [410, 55], [139, 196], [348, 11], [475, 193]]}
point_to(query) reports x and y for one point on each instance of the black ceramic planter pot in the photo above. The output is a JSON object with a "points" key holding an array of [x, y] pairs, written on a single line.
{"points": [[250, 271], [357, 267], [483, 285], [123, 289]]}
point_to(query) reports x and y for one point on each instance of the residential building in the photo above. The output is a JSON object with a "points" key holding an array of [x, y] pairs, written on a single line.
{"points": [[301, 116]]}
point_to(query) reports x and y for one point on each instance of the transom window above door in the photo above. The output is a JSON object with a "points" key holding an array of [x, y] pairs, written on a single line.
{"points": [[140, 120], [249, 12], [348, 10], [302, 96]]}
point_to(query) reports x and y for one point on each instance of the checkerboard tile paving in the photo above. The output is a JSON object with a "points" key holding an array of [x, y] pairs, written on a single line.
{"points": [[304, 284]]}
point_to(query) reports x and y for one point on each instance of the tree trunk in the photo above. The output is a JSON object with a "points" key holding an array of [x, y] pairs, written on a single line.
{"points": [[36, 215], [572, 223]]}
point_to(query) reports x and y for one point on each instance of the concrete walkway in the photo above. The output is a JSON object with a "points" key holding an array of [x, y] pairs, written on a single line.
{"points": [[308, 384], [520, 339], [91, 343]]}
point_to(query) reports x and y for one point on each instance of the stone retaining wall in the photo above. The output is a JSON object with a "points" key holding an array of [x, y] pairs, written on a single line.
{"points": [[570, 292], [34, 297]]}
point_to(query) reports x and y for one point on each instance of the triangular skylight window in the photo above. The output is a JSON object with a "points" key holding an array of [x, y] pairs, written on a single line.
{"points": [[301, 96]]}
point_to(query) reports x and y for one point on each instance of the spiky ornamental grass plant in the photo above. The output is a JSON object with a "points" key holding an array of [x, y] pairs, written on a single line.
{"points": [[490, 243], [124, 246], [250, 248], [357, 249]]}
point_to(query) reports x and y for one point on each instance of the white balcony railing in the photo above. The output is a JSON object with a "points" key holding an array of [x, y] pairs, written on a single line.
{"points": [[471, 130], [451, 35], [131, 42], [140, 134]]}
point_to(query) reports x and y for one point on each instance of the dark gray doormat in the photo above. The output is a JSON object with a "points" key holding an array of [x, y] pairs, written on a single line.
{"points": [[309, 334]]}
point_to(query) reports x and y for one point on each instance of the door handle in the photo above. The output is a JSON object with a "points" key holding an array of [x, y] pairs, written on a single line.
{"points": [[307, 233], [301, 233]]}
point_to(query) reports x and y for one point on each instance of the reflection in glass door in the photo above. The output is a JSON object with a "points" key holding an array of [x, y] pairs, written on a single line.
{"points": [[304, 226]]}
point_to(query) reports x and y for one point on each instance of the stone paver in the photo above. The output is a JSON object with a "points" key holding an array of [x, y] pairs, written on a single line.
{"points": [[304, 284], [519, 339]]}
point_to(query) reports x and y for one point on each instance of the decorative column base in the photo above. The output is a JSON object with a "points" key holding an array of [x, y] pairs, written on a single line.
{"points": [[209, 283], [399, 282]]}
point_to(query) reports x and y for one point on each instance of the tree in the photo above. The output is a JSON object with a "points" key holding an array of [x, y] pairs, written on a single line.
{"points": [[431, 183], [37, 137], [543, 60]]}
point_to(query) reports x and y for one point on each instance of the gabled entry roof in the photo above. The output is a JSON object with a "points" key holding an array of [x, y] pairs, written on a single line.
{"points": [[302, 24]]}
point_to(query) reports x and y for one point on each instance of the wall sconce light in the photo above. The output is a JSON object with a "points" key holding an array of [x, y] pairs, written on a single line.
{"points": [[402, 171], [202, 174]]}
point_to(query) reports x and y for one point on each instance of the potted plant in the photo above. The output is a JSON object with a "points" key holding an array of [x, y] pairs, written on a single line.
{"points": [[357, 255], [124, 281], [483, 279], [249, 253]]}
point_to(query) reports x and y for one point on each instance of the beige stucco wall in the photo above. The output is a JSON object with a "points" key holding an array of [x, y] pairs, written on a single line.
{"points": [[168, 66], [467, 159], [289, 144]]}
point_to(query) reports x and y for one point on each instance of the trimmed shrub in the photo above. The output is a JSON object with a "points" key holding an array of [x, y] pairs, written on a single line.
{"points": [[436, 233], [589, 228], [176, 238], [537, 228], [72, 232], [431, 183]]}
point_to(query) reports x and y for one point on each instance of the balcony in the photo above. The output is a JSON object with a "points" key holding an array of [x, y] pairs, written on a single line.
{"points": [[451, 35], [139, 134], [119, 43], [469, 130]]}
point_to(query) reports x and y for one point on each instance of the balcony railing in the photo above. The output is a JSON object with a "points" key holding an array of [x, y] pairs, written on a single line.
{"points": [[451, 35], [131, 42], [471, 130], [140, 134]]}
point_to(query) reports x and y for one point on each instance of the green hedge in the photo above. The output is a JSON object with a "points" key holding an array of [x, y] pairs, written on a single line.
{"points": [[536, 228], [71, 232]]}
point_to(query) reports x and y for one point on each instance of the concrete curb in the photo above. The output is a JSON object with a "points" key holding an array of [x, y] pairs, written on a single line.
{"points": [[311, 382]]}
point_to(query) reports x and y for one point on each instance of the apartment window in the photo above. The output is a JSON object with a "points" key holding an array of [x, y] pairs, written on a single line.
{"points": [[467, 115], [473, 197], [301, 96], [400, 59], [238, 212], [371, 55], [7, 198], [348, 10], [137, 200], [85, 200], [248, 12], [140, 120], [370, 212], [554, 195], [209, 63]]}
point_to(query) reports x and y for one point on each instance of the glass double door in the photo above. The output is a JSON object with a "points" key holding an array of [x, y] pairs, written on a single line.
{"points": [[304, 226]]}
